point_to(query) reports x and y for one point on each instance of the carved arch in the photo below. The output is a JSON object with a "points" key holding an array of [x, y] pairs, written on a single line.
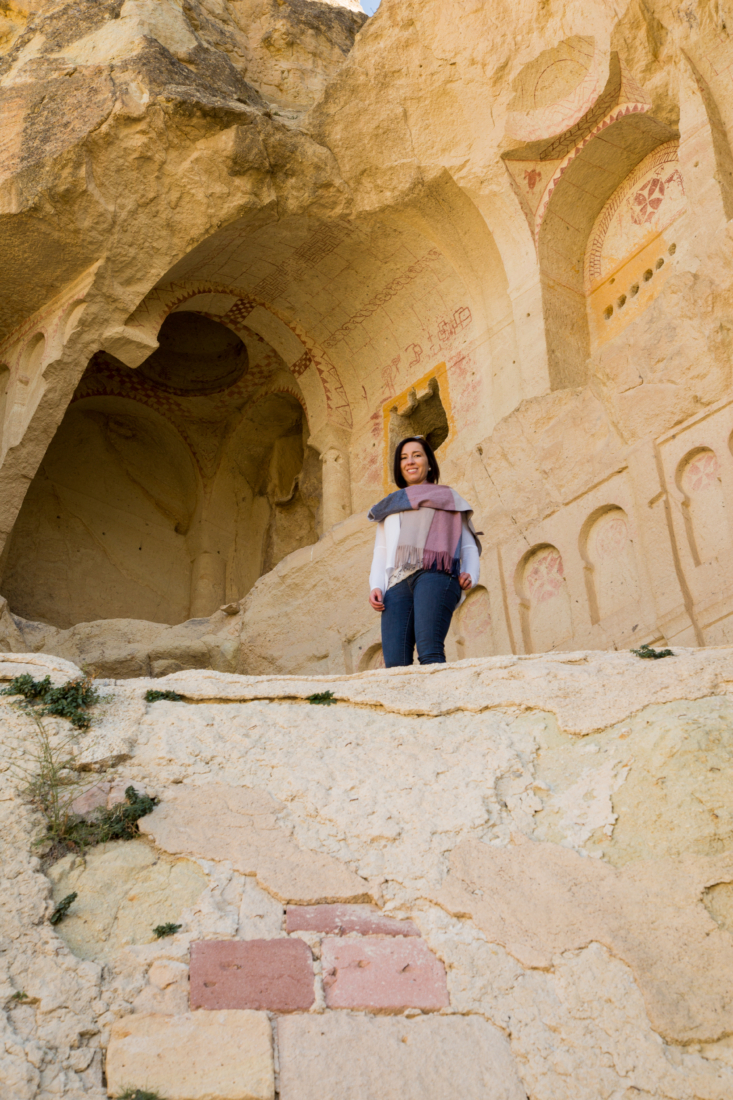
{"points": [[563, 184], [335, 409]]}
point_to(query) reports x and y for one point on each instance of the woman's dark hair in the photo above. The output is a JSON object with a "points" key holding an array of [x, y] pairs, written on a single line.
{"points": [[433, 468]]}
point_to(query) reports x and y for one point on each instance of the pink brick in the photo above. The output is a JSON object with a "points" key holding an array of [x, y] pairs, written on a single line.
{"points": [[382, 974], [342, 919], [262, 974]]}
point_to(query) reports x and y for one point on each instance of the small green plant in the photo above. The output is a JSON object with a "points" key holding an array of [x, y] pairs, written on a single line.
{"points": [[19, 996], [52, 783], [139, 1094], [46, 764], [322, 698], [162, 930], [47, 768], [63, 908], [645, 651], [117, 823], [152, 696], [71, 701]]}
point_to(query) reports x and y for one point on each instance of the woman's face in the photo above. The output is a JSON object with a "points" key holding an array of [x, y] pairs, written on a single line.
{"points": [[414, 463]]}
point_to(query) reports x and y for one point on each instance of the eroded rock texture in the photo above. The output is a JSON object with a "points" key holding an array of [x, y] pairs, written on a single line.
{"points": [[507, 879]]}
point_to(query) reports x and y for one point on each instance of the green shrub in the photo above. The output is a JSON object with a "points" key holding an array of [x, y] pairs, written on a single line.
{"points": [[117, 823], [162, 930], [152, 696], [645, 651], [323, 699], [47, 769], [71, 701]]}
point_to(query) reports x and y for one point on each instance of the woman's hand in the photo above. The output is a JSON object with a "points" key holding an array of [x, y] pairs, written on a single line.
{"points": [[375, 599], [464, 580]]}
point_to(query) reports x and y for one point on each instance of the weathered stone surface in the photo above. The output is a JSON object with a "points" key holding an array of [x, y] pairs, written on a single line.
{"points": [[200, 1056], [240, 825], [382, 974], [395, 797], [343, 1057], [275, 975], [366, 920], [125, 889], [650, 915]]}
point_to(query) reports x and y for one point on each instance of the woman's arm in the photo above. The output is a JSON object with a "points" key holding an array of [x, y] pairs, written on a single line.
{"points": [[379, 568], [470, 562]]}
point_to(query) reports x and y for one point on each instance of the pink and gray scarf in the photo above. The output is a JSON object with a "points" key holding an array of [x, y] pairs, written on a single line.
{"points": [[430, 532]]}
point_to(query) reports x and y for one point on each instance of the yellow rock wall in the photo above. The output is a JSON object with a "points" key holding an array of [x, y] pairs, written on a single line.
{"points": [[509, 231]]}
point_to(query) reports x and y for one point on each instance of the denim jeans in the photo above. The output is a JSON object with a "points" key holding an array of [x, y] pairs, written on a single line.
{"points": [[418, 609]]}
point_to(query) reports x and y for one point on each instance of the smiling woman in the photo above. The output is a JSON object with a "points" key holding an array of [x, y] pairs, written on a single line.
{"points": [[426, 556]]}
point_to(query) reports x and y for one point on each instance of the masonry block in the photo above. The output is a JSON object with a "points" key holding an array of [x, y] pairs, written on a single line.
{"points": [[196, 1056], [337, 1056], [342, 919], [382, 974], [276, 975]]}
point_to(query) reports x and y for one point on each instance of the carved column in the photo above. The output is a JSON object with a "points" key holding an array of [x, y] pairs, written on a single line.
{"points": [[336, 487], [332, 443], [208, 584]]}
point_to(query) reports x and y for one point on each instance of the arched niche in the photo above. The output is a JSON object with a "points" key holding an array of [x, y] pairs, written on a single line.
{"points": [[288, 349], [102, 530], [424, 415], [563, 184], [632, 244], [579, 197], [372, 659], [229, 420], [610, 565], [703, 505], [544, 601]]}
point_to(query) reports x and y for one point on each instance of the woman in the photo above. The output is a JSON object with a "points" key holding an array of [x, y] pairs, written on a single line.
{"points": [[426, 555]]}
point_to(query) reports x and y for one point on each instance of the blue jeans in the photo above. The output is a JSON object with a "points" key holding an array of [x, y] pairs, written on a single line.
{"points": [[418, 609]]}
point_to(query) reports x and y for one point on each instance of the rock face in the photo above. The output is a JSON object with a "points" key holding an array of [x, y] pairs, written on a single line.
{"points": [[249, 244], [503, 878], [246, 247]]}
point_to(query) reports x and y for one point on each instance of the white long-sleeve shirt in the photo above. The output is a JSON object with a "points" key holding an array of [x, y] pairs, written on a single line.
{"points": [[385, 550]]}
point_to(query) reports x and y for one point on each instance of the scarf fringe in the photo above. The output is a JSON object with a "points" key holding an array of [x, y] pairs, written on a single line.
{"points": [[436, 561]]}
